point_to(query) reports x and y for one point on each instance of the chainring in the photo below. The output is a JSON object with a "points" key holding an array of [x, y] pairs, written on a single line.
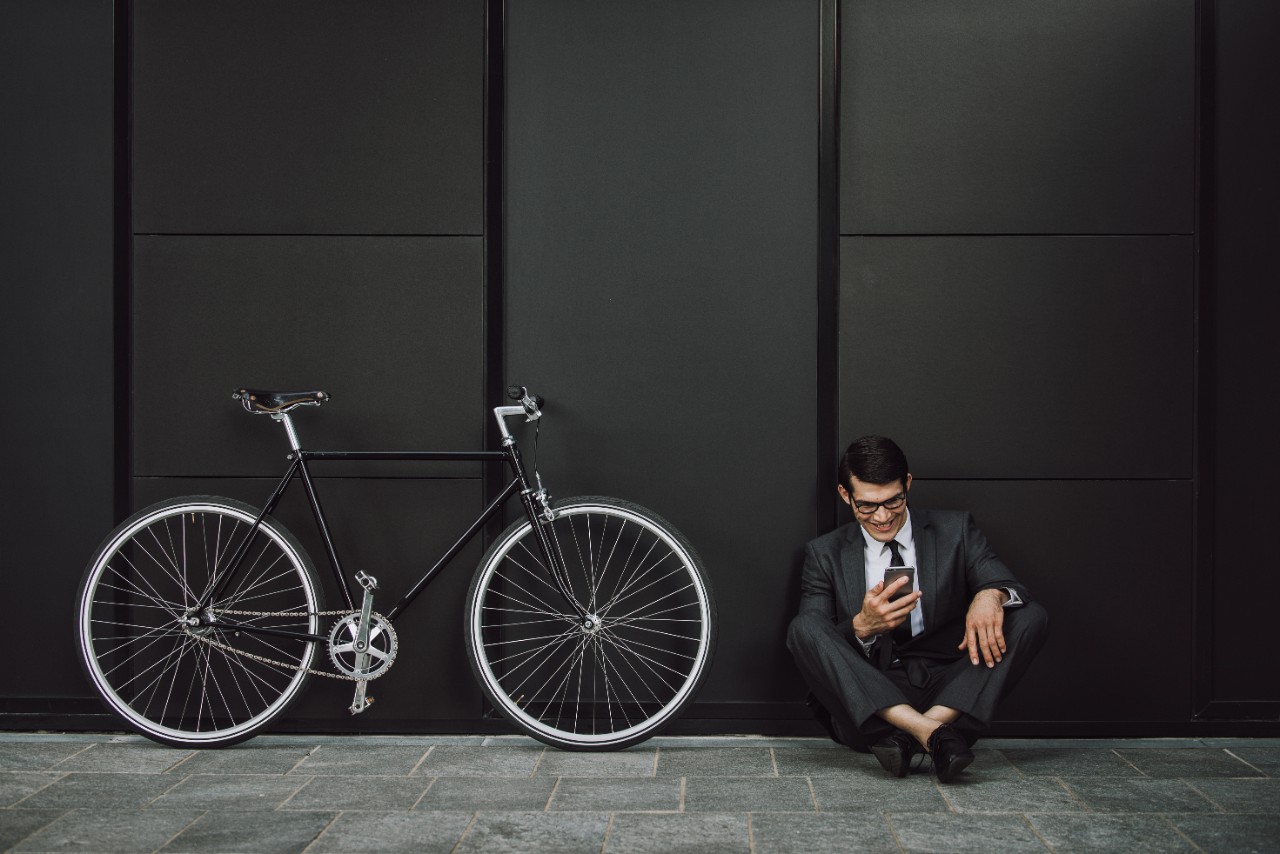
{"points": [[380, 655]]}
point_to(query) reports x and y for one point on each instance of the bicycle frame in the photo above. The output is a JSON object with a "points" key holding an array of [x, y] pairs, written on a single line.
{"points": [[298, 467]]}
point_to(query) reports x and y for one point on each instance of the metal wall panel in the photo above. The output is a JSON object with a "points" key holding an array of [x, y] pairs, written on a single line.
{"points": [[1003, 116], [56, 328], [661, 266], [391, 327], [1241, 226], [308, 117], [1027, 357]]}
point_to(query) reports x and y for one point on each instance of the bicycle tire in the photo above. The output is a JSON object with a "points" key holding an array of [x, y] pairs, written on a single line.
{"points": [[156, 672], [592, 687]]}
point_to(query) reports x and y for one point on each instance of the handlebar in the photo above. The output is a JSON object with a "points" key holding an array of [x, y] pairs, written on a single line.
{"points": [[530, 407]]}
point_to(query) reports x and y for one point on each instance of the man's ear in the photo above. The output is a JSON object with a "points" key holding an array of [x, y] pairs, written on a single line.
{"points": [[906, 486], [844, 494]]}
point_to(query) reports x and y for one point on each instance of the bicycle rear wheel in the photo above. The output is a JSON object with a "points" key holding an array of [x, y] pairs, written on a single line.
{"points": [[617, 677], [196, 686]]}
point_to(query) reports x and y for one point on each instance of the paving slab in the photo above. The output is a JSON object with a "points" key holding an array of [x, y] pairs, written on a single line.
{"points": [[1104, 794], [261, 833], [358, 793], [806, 833], [497, 761], [745, 794], [586, 794], [821, 762], [109, 831], [716, 762], [637, 833], [19, 785], [624, 763], [878, 794], [1189, 762], [101, 791], [392, 833], [987, 765], [1231, 834], [1265, 759], [247, 792], [517, 794], [1070, 762], [543, 833], [1241, 796], [36, 756], [359, 758], [1036, 795], [251, 758], [962, 834], [1128, 833], [18, 824], [148, 758]]}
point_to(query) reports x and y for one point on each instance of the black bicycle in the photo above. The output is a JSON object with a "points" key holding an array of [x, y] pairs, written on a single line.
{"points": [[589, 623]]}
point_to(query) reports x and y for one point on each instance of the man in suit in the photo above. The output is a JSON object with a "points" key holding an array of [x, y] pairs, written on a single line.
{"points": [[899, 674]]}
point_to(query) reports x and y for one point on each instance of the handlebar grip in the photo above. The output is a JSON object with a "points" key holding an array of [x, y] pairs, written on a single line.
{"points": [[519, 392]]}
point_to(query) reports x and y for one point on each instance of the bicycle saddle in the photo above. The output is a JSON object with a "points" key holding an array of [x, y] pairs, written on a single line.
{"points": [[272, 402]]}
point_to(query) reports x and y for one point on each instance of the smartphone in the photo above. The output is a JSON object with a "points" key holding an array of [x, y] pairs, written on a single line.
{"points": [[893, 573]]}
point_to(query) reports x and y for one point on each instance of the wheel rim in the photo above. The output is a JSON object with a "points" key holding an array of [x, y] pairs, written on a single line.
{"points": [[164, 674], [626, 668]]}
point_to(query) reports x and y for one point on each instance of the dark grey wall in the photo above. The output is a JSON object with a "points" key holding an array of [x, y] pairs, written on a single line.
{"points": [[1032, 294], [56, 213], [661, 277], [1238, 398]]}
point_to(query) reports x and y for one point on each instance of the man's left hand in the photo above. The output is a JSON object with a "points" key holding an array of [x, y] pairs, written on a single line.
{"points": [[983, 627]]}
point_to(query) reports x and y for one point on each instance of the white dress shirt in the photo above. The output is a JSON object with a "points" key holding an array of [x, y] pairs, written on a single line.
{"points": [[877, 556]]}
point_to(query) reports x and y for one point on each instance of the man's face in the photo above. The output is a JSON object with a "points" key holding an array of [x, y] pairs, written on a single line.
{"points": [[879, 521]]}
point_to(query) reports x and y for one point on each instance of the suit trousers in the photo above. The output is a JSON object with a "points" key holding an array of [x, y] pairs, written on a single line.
{"points": [[851, 689]]}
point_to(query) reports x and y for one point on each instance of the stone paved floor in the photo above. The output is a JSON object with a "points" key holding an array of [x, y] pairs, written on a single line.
{"points": [[362, 793]]}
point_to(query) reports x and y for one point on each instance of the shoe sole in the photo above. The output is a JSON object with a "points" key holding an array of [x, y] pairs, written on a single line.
{"points": [[957, 765], [891, 760]]}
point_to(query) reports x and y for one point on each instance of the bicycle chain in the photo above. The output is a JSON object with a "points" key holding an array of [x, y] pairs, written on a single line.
{"points": [[287, 666]]}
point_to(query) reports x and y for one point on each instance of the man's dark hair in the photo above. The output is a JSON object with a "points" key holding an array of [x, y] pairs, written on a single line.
{"points": [[873, 459]]}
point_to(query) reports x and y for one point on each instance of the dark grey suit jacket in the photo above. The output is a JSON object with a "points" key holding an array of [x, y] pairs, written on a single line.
{"points": [[954, 560]]}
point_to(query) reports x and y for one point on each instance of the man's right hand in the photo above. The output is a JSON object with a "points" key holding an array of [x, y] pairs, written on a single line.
{"points": [[878, 614]]}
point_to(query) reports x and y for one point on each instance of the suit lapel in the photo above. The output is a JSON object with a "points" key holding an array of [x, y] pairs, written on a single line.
{"points": [[927, 556], [853, 569]]}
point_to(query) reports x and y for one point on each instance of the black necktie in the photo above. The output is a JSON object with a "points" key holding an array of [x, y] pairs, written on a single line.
{"points": [[902, 633], [885, 648]]}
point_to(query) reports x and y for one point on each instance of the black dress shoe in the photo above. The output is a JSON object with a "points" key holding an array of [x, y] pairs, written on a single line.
{"points": [[895, 752], [950, 753]]}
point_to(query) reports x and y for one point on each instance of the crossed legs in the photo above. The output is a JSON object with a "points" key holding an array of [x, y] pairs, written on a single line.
{"points": [[866, 704]]}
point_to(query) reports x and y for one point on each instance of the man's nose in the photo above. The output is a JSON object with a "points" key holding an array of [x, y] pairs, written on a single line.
{"points": [[882, 514]]}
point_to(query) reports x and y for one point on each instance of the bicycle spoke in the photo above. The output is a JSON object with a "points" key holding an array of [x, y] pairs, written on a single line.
{"points": [[176, 678], [622, 669]]}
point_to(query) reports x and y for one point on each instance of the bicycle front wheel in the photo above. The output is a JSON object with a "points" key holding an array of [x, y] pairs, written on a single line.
{"points": [[619, 673], [156, 659]]}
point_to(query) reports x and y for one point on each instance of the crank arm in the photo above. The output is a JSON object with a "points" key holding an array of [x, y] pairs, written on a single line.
{"points": [[360, 702]]}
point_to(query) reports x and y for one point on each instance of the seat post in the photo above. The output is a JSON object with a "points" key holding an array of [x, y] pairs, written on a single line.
{"points": [[284, 418]]}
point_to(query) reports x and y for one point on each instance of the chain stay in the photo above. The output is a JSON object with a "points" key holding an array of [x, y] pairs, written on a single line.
{"points": [[342, 677]]}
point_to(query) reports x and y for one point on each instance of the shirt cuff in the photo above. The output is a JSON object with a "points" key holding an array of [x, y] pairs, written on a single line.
{"points": [[1015, 600], [868, 644]]}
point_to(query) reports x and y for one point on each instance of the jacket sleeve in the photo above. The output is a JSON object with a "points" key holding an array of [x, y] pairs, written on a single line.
{"points": [[818, 592], [983, 569]]}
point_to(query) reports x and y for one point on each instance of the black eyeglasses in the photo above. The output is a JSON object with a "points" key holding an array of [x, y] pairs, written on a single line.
{"points": [[867, 508]]}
